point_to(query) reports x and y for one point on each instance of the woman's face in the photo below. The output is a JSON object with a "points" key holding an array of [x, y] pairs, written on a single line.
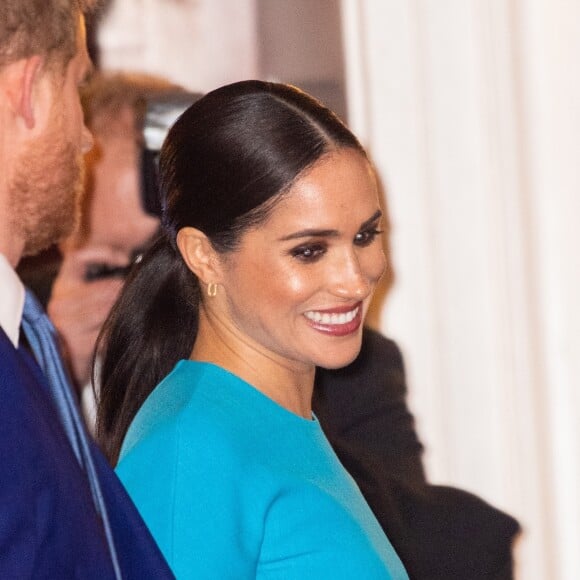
{"points": [[298, 288]]}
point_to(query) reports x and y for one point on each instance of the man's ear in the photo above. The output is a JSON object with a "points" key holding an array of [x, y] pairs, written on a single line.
{"points": [[22, 78], [199, 255]]}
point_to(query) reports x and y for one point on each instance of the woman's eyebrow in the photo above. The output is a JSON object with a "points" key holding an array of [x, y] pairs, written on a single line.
{"points": [[310, 233], [377, 215], [316, 233]]}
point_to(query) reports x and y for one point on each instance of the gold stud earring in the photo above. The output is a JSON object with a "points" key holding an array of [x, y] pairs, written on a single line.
{"points": [[212, 289]]}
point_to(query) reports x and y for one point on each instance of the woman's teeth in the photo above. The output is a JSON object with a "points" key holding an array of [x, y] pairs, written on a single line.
{"points": [[334, 318]]}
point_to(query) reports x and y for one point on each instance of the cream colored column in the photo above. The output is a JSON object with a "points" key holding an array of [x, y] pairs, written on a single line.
{"points": [[471, 111], [550, 49]]}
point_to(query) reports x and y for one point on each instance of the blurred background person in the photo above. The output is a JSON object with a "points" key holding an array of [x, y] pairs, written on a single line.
{"points": [[115, 227]]}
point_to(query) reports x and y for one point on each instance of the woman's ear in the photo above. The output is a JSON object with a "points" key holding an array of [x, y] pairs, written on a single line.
{"points": [[199, 255]]}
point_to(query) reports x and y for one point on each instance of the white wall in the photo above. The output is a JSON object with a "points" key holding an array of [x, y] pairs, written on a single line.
{"points": [[471, 111]]}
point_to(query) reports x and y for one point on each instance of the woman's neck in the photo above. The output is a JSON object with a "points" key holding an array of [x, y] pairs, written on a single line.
{"points": [[288, 383]]}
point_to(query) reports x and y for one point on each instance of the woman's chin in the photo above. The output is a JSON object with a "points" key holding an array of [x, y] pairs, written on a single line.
{"points": [[339, 358]]}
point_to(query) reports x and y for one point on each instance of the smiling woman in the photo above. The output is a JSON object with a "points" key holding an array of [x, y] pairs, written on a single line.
{"points": [[265, 270]]}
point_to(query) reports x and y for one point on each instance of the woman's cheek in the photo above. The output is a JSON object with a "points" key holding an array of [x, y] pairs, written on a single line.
{"points": [[377, 264]]}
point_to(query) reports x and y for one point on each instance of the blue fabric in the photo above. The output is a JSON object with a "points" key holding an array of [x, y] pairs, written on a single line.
{"points": [[48, 526], [232, 485], [42, 339]]}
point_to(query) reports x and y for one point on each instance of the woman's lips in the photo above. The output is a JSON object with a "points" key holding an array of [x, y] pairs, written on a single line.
{"points": [[337, 321]]}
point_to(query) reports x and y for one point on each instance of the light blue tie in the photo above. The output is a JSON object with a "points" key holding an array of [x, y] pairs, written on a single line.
{"points": [[42, 337]]}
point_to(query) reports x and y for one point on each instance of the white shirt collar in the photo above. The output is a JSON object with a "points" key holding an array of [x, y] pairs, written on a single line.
{"points": [[11, 301]]}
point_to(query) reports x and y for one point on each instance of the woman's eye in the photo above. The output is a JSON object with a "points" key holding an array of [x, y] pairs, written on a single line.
{"points": [[367, 237], [309, 253]]}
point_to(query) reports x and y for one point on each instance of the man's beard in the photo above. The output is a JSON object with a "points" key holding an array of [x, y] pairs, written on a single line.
{"points": [[45, 190]]}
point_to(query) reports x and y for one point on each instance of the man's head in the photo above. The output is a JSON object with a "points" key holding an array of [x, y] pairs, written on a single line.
{"points": [[43, 60]]}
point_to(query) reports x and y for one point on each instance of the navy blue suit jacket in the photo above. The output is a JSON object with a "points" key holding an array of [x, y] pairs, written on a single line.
{"points": [[48, 525]]}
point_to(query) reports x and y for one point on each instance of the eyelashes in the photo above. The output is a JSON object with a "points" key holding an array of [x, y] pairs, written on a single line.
{"points": [[312, 252], [367, 237], [309, 252]]}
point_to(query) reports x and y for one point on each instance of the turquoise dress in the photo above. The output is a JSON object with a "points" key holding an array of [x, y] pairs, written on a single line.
{"points": [[232, 485]]}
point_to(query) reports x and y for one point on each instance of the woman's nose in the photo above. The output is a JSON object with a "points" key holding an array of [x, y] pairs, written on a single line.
{"points": [[350, 282]]}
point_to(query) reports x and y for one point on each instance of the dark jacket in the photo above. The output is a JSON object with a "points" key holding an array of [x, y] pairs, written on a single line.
{"points": [[439, 532]]}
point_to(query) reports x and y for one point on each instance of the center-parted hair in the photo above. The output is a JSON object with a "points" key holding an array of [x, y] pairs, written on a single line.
{"points": [[224, 166]]}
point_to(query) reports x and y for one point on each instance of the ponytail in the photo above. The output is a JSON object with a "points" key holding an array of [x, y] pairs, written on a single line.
{"points": [[151, 327]]}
